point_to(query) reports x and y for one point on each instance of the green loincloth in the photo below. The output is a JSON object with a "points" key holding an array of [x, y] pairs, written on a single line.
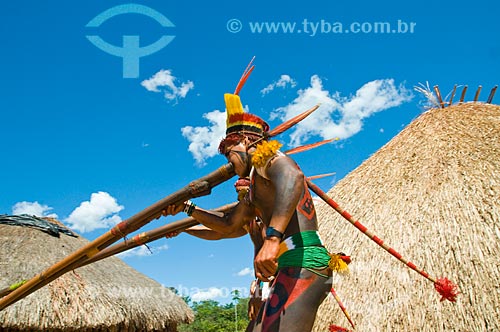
{"points": [[303, 249]]}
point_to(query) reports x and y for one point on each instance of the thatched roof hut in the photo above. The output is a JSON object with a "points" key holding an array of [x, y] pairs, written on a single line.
{"points": [[433, 194], [105, 296]]}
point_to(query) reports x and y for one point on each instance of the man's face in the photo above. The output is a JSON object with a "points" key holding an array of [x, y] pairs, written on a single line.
{"points": [[238, 156]]}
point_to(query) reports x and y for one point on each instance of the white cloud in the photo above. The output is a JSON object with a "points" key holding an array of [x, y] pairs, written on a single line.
{"points": [[167, 82], [100, 212], [204, 141], [281, 83], [142, 251], [246, 271], [209, 294], [339, 116], [33, 209]]}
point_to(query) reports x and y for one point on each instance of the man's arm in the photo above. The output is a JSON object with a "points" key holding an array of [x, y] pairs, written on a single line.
{"points": [[288, 181], [225, 224], [203, 232]]}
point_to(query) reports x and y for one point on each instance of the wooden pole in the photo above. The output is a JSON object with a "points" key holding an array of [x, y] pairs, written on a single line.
{"points": [[492, 94], [452, 95], [446, 288], [438, 95], [476, 97], [152, 235], [138, 240], [197, 188], [463, 95]]}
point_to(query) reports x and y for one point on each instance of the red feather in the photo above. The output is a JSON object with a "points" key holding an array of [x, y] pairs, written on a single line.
{"points": [[244, 77], [335, 328], [308, 146], [446, 289], [291, 122]]}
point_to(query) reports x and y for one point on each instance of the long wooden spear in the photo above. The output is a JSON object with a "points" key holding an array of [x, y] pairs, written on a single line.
{"points": [[152, 235], [137, 240], [196, 188], [443, 286]]}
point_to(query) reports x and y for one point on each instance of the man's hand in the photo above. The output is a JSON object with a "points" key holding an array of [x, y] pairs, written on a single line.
{"points": [[254, 305], [172, 234], [173, 209], [255, 301], [266, 262]]}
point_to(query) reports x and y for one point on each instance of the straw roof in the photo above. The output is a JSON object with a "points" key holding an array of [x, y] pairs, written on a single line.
{"points": [[105, 296], [432, 193]]}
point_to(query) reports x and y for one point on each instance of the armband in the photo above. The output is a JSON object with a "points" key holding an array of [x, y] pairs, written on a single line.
{"points": [[189, 207], [272, 232]]}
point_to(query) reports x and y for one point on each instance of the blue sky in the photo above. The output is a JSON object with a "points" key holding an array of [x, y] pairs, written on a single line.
{"points": [[85, 143]]}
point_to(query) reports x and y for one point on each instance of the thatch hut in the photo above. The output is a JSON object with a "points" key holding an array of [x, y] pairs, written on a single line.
{"points": [[433, 194], [105, 296]]}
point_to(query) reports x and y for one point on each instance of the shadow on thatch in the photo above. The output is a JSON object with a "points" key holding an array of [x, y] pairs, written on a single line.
{"points": [[432, 193], [105, 296]]}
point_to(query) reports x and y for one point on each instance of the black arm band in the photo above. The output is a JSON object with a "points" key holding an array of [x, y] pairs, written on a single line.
{"points": [[271, 232]]}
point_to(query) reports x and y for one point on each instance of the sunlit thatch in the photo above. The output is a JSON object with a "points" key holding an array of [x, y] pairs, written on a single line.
{"points": [[105, 296], [432, 193]]}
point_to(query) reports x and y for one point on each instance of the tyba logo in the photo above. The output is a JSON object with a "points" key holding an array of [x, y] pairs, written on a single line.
{"points": [[130, 51]]}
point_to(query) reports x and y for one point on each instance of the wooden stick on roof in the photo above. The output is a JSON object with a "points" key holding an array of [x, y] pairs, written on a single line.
{"points": [[438, 95], [477, 93], [452, 95], [492, 94], [463, 95]]}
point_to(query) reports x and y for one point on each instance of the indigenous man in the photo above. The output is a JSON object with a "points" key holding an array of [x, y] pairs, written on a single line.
{"points": [[292, 250]]}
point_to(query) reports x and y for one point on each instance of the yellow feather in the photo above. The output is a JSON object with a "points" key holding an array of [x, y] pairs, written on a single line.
{"points": [[264, 151], [337, 264]]}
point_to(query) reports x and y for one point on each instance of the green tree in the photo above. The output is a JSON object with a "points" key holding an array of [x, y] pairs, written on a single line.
{"points": [[186, 298], [236, 298], [210, 316]]}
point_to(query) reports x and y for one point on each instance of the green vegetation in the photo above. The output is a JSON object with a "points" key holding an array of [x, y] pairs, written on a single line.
{"points": [[211, 316]]}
